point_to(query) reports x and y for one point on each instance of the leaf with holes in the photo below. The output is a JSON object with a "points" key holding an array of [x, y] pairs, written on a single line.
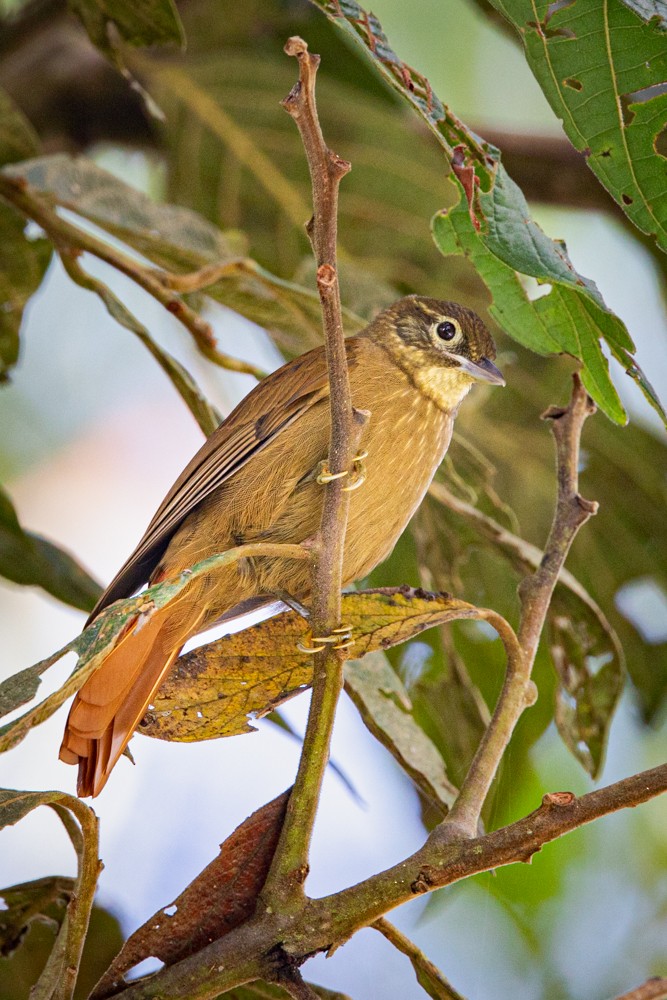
{"points": [[499, 216], [591, 681], [216, 689], [603, 69]]}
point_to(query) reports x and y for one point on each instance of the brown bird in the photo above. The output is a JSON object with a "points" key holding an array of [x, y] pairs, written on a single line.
{"points": [[255, 479]]}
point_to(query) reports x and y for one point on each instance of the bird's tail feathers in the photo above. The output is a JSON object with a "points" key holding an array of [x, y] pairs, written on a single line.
{"points": [[113, 701]]}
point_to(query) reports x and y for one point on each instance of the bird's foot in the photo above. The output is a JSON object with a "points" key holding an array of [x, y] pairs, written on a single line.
{"points": [[357, 473], [340, 638]]}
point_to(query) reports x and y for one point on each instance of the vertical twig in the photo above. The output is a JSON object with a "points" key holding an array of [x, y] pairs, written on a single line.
{"points": [[535, 593], [290, 867]]}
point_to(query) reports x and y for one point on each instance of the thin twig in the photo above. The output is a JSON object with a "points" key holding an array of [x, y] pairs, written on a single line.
{"points": [[293, 983], [429, 976], [535, 593], [65, 235], [290, 867]]}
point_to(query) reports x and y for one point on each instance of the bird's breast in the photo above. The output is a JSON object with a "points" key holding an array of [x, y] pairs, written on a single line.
{"points": [[406, 439]]}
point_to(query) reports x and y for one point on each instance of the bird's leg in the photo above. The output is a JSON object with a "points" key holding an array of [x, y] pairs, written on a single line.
{"points": [[292, 603], [358, 472]]}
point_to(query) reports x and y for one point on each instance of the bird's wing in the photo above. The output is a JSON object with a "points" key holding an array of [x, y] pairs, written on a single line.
{"points": [[272, 406]]}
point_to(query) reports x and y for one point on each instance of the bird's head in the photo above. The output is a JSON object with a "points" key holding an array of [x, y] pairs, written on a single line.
{"points": [[442, 346]]}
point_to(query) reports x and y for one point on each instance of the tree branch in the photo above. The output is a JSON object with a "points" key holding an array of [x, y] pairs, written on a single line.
{"points": [[325, 923], [70, 239], [284, 885], [535, 593], [653, 989]]}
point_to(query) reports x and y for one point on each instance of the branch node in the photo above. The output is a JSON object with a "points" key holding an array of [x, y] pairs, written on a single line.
{"points": [[558, 800], [326, 278]]}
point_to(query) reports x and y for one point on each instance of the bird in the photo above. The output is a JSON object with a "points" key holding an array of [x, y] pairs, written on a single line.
{"points": [[258, 479]]}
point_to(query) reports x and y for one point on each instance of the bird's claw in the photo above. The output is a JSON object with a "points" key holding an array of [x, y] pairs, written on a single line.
{"points": [[340, 638], [358, 472]]}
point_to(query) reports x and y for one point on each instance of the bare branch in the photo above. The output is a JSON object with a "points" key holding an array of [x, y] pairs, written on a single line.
{"points": [[290, 868], [535, 592], [324, 923]]}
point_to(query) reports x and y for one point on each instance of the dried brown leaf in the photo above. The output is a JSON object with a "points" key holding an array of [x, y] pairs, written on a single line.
{"points": [[222, 896]]}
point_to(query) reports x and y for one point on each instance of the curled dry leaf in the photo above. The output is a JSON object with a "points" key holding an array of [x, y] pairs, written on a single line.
{"points": [[223, 896]]}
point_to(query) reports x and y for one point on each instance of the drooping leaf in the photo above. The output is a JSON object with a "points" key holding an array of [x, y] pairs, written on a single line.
{"points": [[384, 202], [499, 219], [590, 686], [386, 709], [202, 410], [45, 900], [429, 977], [114, 24], [28, 559], [602, 66], [219, 899], [94, 644], [23, 263], [214, 690], [581, 637]]}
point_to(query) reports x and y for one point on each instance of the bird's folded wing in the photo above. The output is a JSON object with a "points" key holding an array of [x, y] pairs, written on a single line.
{"points": [[276, 402]]}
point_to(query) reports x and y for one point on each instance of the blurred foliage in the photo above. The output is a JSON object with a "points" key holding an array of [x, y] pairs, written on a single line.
{"points": [[238, 189]]}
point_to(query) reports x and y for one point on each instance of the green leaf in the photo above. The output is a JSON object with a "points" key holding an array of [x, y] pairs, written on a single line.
{"points": [[591, 682], [499, 216], [44, 900], [138, 22], [18, 139], [23, 263], [603, 69], [31, 560], [385, 707], [564, 320]]}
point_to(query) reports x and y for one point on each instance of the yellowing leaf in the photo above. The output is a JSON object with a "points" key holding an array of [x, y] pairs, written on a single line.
{"points": [[215, 690]]}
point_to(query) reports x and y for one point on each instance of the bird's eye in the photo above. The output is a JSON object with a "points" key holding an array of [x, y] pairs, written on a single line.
{"points": [[446, 330]]}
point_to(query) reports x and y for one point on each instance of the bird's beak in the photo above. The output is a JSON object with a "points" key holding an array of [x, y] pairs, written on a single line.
{"points": [[482, 370]]}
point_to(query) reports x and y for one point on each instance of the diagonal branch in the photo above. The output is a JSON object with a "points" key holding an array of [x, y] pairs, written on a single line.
{"points": [[535, 593], [71, 239]]}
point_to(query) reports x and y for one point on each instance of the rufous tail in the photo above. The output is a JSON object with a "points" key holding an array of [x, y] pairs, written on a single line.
{"points": [[113, 701]]}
